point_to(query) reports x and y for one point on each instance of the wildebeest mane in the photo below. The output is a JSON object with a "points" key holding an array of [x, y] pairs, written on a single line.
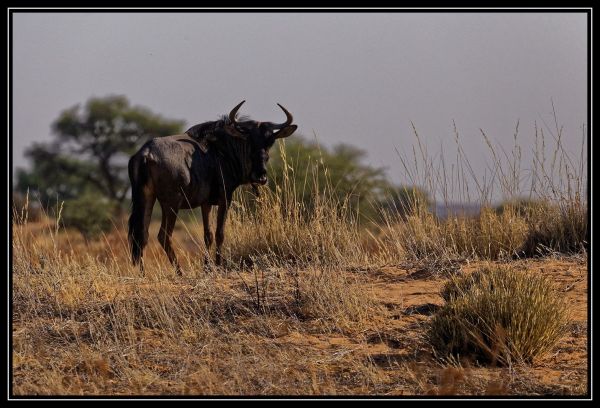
{"points": [[202, 130], [239, 118]]}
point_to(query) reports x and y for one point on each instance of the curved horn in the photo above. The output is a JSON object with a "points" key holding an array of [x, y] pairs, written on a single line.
{"points": [[234, 112], [289, 120]]}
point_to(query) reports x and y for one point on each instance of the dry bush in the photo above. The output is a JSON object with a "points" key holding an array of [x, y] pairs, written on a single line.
{"points": [[492, 235], [500, 315]]}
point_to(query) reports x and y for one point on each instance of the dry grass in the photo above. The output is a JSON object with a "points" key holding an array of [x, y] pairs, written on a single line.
{"points": [[543, 207], [279, 232], [86, 326], [488, 235]]}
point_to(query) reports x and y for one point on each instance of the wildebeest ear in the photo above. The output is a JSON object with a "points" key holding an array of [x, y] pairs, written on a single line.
{"points": [[285, 132], [231, 129]]}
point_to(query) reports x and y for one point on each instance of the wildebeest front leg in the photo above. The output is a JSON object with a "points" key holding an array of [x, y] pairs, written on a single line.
{"points": [[220, 233], [208, 237], [169, 216]]}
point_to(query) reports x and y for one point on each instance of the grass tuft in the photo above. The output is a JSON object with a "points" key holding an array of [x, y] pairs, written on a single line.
{"points": [[499, 315]]}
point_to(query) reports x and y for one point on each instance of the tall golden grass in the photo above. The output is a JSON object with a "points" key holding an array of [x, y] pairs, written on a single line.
{"points": [[543, 203]]}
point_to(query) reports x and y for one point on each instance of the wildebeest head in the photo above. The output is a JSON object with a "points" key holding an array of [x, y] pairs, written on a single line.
{"points": [[261, 137]]}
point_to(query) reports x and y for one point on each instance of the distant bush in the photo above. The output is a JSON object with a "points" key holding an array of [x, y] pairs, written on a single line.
{"points": [[523, 207], [90, 215], [499, 315], [402, 201]]}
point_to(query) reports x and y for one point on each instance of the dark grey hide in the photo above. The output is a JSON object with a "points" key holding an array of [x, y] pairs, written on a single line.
{"points": [[199, 168]]}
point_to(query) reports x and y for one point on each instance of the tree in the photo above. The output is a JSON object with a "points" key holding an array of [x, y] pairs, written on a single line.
{"points": [[91, 149]]}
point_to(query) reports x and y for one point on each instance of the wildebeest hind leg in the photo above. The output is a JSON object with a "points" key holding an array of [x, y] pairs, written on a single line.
{"points": [[220, 233], [148, 206], [169, 216]]}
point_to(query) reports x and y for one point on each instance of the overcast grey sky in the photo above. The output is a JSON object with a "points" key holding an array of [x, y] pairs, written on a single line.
{"points": [[359, 78]]}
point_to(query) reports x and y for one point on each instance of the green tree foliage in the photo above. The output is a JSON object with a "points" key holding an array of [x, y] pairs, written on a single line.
{"points": [[90, 150]]}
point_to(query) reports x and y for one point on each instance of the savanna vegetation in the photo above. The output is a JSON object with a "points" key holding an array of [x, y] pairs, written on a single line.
{"points": [[337, 282]]}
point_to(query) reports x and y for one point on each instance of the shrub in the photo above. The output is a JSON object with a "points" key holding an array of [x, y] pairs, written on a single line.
{"points": [[561, 227], [551, 226], [89, 214], [500, 315]]}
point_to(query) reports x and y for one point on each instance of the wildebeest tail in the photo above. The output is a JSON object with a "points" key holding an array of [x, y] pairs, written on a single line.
{"points": [[138, 175]]}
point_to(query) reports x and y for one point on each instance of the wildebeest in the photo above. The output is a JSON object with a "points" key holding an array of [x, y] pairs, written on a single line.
{"points": [[199, 168]]}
